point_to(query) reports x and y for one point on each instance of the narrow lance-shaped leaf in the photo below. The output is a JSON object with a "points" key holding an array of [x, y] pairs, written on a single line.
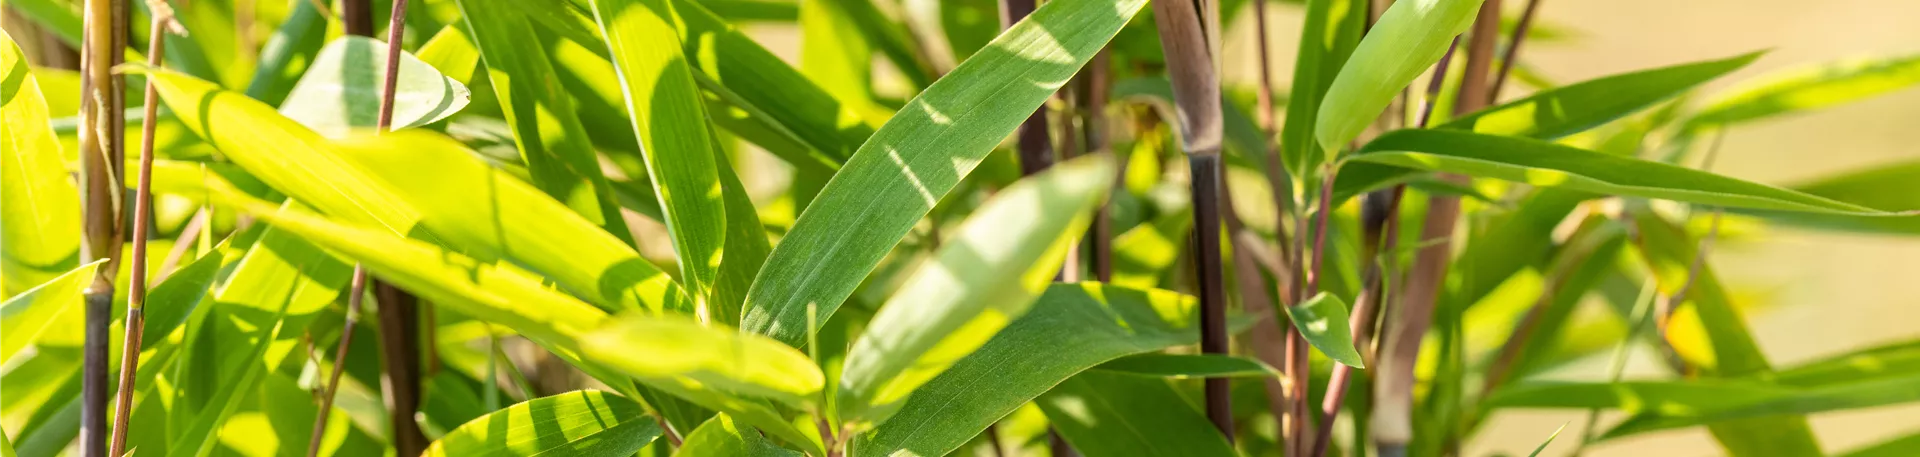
{"points": [[579, 423], [1185, 366], [1408, 38], [1328, 36], [1108, 414], [1323, 321], [1889, 187], [1556, 113], [985, 275], [677, 350], [550, 137], [39, 218], [1805, 88], [43, 308], [671, 125], [1078, 325], [916, 158], [1546, 164]]}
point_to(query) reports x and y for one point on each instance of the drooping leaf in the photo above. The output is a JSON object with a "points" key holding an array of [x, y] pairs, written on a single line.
{"points": [[46, 307], [1323, 321], [721, 435], [675, 349], [1185, 366], [1408, 38], [986, 274], [904, 169], [1544, 164], [671, 125], [1887, 187], [344, 87], [1805, 88], [40, 218], [1328, 35], [1077, 326], [550, 137], [1109, 414], [578, 423]]}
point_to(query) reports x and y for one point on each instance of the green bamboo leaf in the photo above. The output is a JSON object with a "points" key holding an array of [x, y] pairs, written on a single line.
{"points": [[40, 218], [343, 89], [1323, 321], [1856, 395], [1408, 38], [1636, 397], [1546, 164], [1578, 107], [452, 53], [174, 299], [578, 423], [1188, 366], [6, 446], [985, 275], [833, 52], [670, 123], [1077, 326], [892, 40], [550, 136], [721, 435], [1805, 88], [364, 182], [1110, 414], [1886, 186], [677, 349], [1899, 359], [45, 308], [1543, 444], [738, 11], [1328, 36], [904, 169]]}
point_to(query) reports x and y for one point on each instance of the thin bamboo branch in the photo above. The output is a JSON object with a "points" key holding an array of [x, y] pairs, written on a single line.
{"points": [[142, 219], [339, 363], [1508, 60], [102, 183]]}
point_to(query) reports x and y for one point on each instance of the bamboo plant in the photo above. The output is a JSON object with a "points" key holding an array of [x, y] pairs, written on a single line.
{"points": [[976, 227]]}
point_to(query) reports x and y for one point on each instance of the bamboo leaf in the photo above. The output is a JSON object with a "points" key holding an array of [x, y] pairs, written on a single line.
{"points": [[721, 435], [288, 54], [985, 275], [45, 307], [1856, 395], [671, 125], [674, 349], [1896, 447], [1328, 36], [550, 137], [1323, 321], [1578, 107], [1109, 414], [1188, 366], [174, 299], [1543, 444], [40, 218], [1143, 254], [1806, 88], [1408, 38], [343, 90], [1078, 326], [904, 169], [1885, 186], [579, 423], [1546, 164]]}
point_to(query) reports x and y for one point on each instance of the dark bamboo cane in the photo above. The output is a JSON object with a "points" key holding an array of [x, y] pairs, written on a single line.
{"points": [[102, 195]]}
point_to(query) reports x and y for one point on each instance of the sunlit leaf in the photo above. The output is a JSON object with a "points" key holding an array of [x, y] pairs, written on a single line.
{"points": [[343, 90], [1807, 87], [1110, 414], [1409, 37], [40, 218], [579, 423], [904, 169]]}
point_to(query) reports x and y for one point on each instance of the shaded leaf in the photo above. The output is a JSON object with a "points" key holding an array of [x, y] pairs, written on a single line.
{"points": [[1109, 414], [1078, 326]]}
